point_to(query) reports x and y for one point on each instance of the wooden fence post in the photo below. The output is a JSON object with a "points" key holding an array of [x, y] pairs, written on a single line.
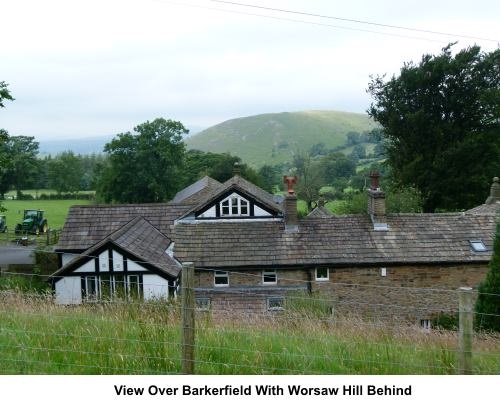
{"points": [[188, 312], [465, 330]]}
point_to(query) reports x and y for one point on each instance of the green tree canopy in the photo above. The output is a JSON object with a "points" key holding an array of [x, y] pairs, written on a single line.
{"points": [[4, 94], [21, 163], [145, 166], [65, 172], [441, 123]]}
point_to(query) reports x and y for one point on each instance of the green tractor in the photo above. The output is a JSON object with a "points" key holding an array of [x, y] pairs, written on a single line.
{"points": [[33, 223], [3, 224]]}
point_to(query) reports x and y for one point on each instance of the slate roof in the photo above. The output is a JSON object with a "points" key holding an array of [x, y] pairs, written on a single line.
{"points": [[142, 240], [87, 225], [338, 240], [239, 183], [196, 192], [320, 212], [489, 209]]}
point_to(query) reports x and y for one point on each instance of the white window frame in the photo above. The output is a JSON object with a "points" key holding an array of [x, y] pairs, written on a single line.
{"points": [[97, 283], [230, 205], [221, 274], [281, 307], [203, 303], [425, 324], [269, 273], [383, 271], [327, 278]]}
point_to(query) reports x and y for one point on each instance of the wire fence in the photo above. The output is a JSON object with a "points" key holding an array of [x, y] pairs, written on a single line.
{"points": [[272, 329]]}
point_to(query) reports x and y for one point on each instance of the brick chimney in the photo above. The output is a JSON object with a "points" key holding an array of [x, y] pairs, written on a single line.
{"points": [[290, 205], [494, 192], [376, 203]]}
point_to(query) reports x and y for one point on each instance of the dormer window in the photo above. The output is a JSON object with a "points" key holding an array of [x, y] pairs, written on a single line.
{"points": [[234, 206]]}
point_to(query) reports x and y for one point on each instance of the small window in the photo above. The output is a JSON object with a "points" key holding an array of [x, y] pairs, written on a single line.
{"points": [[225, 207], [425, 324], [478, 245], [221, 279], [275, 303], [269, 277], [383, 271], [203, 304], [322, 274]]}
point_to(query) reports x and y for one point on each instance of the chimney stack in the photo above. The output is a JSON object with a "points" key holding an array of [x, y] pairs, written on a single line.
{"points": [[376, 203], [236, 169], [290, 205], [494, 192]]}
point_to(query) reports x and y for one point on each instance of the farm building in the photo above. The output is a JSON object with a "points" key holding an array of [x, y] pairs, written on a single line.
{"points": [[251, 251]]}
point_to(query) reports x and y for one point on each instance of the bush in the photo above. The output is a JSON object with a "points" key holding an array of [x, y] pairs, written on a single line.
{"points": [[488, 300]]}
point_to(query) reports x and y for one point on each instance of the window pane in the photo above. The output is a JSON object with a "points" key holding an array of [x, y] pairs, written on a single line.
{"points": [[119, 287], [322, 273], [225, 210], [269, 277], [134, 287], [221, 278], [106, 287], [244, 209], [275, 303]]}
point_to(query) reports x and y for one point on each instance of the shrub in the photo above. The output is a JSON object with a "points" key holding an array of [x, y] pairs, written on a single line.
{"points": [[488, 300]]}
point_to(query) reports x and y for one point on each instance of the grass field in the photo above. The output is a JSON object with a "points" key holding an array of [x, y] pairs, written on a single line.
{"points": [[55, 210], [39, 337]]}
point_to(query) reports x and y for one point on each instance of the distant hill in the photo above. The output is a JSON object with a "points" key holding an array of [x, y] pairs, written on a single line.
{"points": [[83, 146], [273, 138]]}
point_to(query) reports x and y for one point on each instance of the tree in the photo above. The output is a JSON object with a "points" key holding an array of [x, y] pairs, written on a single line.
{"points": [[488, 302], [21, 166], [310, 176], [65, 172], [441, 124], [146, 166], [335, 166], [4, 94]]}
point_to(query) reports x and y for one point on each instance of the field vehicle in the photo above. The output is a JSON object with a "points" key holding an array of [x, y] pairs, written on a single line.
{"points": [[33, 222], [3, 223]]}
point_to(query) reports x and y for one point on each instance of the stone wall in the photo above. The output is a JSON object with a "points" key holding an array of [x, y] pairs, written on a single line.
{"points": [[404, 293]]}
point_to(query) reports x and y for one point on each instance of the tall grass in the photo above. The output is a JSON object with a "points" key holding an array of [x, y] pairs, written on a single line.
{"points": [[39, 337]]}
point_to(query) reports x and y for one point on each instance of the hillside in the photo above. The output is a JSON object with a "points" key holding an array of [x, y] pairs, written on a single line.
{"points": [[273, 138]]}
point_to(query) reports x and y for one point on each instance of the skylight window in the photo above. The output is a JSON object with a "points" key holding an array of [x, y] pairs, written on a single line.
{"points": [[478, 245]]}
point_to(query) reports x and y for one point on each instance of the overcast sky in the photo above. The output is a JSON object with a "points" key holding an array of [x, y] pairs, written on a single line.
{"points": [[89, 68]]}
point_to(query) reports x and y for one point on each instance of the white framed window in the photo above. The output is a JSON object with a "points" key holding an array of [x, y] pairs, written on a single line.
{"points": [[276, 303], [322, 273], [425, 324], [383, 271], [269, 277], [234, 206], [203, 304], [221, 279], [478, 245], [90, 287]]}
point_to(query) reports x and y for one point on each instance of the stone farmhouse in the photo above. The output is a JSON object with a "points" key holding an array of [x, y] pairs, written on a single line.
{"points": [[251, 252]]}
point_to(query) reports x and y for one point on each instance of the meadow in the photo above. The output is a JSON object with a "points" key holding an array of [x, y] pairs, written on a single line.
{"points": [[56, 211], [39, 337]]}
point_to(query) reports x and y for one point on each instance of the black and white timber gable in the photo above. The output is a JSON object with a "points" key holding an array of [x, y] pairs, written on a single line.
{"points": [[236, 200], [131, 263]]}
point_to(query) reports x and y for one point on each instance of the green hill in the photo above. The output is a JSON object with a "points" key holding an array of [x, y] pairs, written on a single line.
{"points": [[273, 138]]}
